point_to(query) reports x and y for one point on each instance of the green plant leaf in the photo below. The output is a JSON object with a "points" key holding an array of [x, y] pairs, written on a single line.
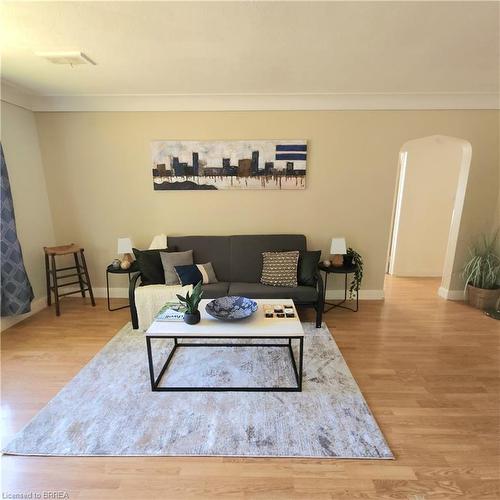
{"points": [[192, 300], [482, 269], [358, 274]]}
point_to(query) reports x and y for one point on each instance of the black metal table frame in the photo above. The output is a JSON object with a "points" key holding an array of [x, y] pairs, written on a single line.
{"points": [[333, 305], [108, 272], [155, 381]]}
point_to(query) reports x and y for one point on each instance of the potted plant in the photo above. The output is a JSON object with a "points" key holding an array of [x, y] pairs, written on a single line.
{"points": [[481, 273], [352, 258], [191, 303]]}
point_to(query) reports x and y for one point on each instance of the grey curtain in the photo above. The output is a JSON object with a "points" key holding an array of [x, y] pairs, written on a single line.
{"points": [[16, 291]]}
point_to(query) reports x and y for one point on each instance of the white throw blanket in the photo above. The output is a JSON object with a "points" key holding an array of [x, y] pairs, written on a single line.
{"points": [[149, 299]]}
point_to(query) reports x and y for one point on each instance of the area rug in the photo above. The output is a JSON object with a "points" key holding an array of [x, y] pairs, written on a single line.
{"points": [[109, 408]]}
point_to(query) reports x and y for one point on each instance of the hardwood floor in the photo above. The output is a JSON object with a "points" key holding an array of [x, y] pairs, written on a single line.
{"points": [[428, 368]]}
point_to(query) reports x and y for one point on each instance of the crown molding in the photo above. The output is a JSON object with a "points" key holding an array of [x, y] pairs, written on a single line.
{"points": [[16, 95], [265, 102], [250, 102]]}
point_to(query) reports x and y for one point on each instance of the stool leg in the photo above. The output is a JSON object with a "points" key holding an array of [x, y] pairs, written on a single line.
{"points": [[79, 270], [54, 279], [87, 277], [47, 277]]}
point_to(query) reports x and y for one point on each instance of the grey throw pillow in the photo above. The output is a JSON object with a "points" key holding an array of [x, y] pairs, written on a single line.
{"points": [[208, 273], [280, 268], [172, 259]]}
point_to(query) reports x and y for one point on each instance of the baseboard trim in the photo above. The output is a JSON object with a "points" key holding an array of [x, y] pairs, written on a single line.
{"points": [[114, 293], [122, 293], [100, 292], [363, 294], [451, 294], [36, 306]]}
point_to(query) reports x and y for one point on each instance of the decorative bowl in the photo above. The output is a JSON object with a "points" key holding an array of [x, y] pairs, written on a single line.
{"points": [[231, 308]]}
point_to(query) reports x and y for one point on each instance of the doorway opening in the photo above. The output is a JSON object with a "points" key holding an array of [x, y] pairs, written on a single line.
{"points": [[428, 205]]}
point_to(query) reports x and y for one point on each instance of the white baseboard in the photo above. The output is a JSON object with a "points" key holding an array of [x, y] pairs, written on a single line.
{"points": [[100, 292], [363, 294], [451, 294], [36, 306], [41, 303], [114, 293], [330, 294], [122, 293]]}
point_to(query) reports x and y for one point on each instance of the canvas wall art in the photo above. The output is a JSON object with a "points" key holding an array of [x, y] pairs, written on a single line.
{"points": [[182, 165]]}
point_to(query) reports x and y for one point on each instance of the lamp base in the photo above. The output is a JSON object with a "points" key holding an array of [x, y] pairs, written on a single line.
{"points": [[337, 260], [126, 261]]}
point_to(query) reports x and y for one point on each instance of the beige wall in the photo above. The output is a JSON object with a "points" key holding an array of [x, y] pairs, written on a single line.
{"points": [[29, 192], [480, 204], [98, 171], [427, 198]]}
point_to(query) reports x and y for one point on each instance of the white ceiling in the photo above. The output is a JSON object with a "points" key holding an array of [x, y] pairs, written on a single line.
{"points": [[278, 48]]}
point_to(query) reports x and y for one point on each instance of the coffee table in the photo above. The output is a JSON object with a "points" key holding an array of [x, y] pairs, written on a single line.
{"points": [[255, 327]]}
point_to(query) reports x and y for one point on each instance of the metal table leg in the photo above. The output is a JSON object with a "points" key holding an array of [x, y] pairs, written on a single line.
{"points": [[155, 380], [107, 295], [333, 305]]}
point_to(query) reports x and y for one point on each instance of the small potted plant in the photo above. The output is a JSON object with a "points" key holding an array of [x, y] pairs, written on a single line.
{"points": [[481, 274], [352, 258], [191, 303]]}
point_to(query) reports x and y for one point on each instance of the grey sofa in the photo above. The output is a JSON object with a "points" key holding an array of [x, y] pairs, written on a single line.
{"points": [[237, 261]]}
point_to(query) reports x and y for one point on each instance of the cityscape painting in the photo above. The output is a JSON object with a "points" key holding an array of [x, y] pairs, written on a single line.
{"points": [[184, 165]]}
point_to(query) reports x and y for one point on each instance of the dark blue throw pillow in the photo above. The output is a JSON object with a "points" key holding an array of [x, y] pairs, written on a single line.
{"points": [[188, 275]]}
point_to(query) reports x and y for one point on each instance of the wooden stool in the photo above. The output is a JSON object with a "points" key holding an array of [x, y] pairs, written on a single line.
{"points": [[52, 270]]}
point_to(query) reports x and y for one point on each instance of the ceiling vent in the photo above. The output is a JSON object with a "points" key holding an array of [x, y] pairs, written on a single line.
{"points": [[69, 57]]}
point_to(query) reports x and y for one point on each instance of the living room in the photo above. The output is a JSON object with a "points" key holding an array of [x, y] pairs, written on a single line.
{"points": [[344, 155]]}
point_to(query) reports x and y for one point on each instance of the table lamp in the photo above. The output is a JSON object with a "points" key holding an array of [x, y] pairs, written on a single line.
{"points": [[337, 251], [125, 247]]}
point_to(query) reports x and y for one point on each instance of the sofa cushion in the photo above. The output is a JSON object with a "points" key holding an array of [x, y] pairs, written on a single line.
{"points": [[280, 268], [207, 272], [246, 253], [260, 291], [149, 263], [308, 267], [172, 259], [214, 249], [215, 290], [188, 275]]}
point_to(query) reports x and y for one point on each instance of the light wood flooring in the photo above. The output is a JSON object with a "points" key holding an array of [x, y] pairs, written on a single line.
{"points": [[428, 368]]}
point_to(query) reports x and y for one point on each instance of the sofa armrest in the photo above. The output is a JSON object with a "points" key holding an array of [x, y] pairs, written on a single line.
{"points": [[320, 287], [320, 304], [131, 299]]}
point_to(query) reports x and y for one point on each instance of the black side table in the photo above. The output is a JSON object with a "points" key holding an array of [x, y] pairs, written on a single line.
{"points": [[345, 269], [134, 268]]}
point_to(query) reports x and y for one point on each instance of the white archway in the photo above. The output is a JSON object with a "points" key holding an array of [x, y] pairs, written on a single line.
{"points": [[428, 206]]}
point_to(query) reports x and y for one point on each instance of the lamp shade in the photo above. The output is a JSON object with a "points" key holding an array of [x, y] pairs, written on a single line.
{"points": [[125, 245], [159, 242], [338, 246]]}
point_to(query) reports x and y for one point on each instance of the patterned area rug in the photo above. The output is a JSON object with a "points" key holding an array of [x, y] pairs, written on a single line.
{"points": [[109, 409]]}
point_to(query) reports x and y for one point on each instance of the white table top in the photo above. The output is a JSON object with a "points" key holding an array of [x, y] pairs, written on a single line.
{"points": [[257, 324]]}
